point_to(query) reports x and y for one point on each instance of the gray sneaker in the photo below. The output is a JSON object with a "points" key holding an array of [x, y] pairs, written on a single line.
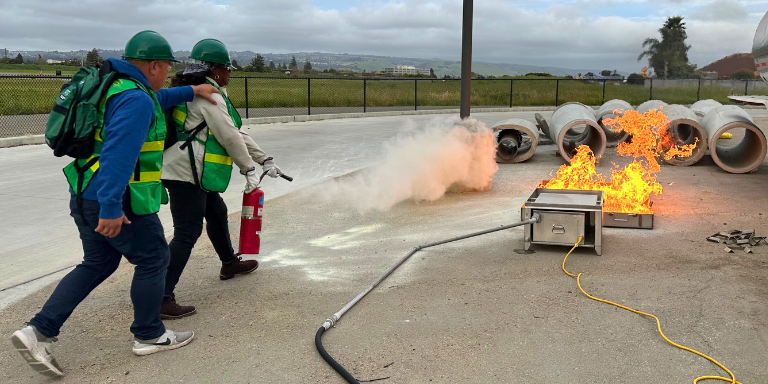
{"points": [[37, 351], [169, 340]]}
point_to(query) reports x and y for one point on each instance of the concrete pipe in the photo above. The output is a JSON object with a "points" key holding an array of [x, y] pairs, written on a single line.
{"points": [[701, 107], [517, 140], [746, 150], [651, 104], [606, 111], [686, 128], [543, 126], [574, 124]]}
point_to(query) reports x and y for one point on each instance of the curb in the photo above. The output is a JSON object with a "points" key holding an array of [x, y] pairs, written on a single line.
{"points": [[21, 140], [330, 116]]}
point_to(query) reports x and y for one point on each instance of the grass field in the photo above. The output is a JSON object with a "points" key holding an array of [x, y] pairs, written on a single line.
{"points": [[23, 96], [34, 69]]}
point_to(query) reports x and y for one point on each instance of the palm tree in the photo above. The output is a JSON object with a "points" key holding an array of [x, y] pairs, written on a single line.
{"points": [[654, 51], [670, 54]]}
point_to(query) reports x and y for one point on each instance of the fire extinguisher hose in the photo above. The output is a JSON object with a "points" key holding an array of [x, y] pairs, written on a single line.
{"points": [[330, 322], [658, 325]]}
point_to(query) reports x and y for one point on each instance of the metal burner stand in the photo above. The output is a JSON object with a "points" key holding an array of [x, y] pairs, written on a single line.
{"points": [[566, 215]]}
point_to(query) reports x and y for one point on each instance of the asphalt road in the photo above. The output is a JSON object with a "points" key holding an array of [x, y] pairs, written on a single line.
{"points": [[474, 311]]}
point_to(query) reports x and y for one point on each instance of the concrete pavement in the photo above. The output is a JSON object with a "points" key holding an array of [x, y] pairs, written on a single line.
{"points": [[37, 236]]}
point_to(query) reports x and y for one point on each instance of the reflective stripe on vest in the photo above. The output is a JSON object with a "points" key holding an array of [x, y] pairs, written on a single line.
{"points": [[146, 191]]}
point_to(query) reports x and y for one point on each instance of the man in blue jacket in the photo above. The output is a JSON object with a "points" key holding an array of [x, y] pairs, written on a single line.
{"points": [[120, 199]]}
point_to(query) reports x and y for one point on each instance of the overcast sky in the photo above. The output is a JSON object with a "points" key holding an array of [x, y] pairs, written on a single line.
{"points": [[572, 34]]}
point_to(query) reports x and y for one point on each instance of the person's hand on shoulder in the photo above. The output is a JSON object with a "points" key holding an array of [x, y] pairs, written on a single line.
{"points": [[205, 91]]}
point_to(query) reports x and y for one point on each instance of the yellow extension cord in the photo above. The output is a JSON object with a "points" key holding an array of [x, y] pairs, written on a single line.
{"points": [[732, 380]]}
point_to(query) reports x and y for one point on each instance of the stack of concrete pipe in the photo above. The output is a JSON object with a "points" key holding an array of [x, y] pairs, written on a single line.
{"points": [[574, 124], [610, 110], [517, 140], [747, 151]]}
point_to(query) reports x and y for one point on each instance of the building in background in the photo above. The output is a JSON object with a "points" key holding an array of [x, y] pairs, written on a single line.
{"points": [[399, 70]]}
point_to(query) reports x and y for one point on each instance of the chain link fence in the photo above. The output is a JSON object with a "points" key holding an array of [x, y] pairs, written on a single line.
{"points": [[26, 100]]}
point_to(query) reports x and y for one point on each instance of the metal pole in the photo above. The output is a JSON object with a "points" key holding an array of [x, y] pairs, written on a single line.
{"points": [[365, 88], [746, 87], [511, 84], [650, 97], [466, 59], [309, 98], [602, 101], [246, 97], [557, 92], [698, 91], [415, 95]]}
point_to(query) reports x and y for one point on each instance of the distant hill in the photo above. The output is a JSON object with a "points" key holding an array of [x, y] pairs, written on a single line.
{"points": [[728, 65], [354, 62]]}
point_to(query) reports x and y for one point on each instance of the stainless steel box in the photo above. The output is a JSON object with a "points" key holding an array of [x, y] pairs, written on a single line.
{"points": [[558, 227], [565, 215]]}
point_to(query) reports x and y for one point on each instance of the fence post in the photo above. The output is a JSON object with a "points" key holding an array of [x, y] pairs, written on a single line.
{"points": [[415, 95], [309, 98], [603, 99], [246, 97], [746, 87], [365, 102], [698, 91], [650, 97], [557, 92], [511, 84]]}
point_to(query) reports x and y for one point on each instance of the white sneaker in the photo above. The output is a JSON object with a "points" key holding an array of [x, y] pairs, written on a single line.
{"points": [[38, 353], [169, 340]]}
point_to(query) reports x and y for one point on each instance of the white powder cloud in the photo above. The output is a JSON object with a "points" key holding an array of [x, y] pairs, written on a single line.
{"points": [[422, 164]]}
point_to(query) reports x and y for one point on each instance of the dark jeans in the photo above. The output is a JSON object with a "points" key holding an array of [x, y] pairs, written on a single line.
{"points": [[142, 242], [189, 205]]}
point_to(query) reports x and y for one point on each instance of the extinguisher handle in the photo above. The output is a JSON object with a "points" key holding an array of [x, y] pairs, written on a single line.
{"points": [[284, 176]]}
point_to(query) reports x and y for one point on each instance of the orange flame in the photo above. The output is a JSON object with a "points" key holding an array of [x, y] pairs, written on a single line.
{"points": [[629, 189]]}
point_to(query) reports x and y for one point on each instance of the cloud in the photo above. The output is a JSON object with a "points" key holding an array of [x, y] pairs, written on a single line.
{"points": [[721, 10], [573, 34]]}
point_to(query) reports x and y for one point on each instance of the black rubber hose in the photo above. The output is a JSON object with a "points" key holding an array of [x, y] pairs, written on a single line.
{"points": [[318, 342], [328, 359]]}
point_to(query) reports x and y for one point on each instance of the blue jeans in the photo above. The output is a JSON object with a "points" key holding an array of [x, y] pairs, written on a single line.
{"points": [[142, 242]]}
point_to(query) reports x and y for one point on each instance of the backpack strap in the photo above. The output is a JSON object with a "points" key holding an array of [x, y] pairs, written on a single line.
{"points": [[79, 192], [192, 136]]}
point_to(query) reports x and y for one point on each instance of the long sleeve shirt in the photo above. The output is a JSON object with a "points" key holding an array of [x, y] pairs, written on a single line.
{"points": [[243, 150], [127, 118]]}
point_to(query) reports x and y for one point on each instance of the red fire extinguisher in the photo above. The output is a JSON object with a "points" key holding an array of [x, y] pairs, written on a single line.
{"points": [[250, 219]]}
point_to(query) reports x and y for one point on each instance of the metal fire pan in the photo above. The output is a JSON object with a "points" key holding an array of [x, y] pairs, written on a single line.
{"points": [[628, 220]]}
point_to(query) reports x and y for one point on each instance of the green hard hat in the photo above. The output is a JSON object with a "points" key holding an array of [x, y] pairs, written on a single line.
{"points": [[148, 45], [212, 51]]}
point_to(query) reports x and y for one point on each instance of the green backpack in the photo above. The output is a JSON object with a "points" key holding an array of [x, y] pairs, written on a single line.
{"points": [[75, 117]]}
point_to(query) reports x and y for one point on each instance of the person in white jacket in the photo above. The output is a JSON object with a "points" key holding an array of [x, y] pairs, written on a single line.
{"points": [[199, 166]]}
